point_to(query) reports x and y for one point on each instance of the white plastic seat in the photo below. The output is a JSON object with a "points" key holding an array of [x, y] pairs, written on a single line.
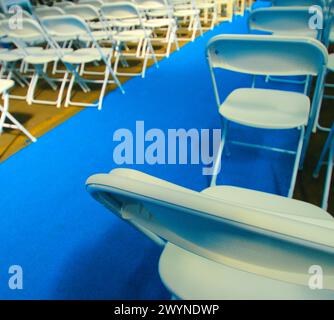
{"points": [[264, 108], [191, 277], [18, 54], [224, 242], [126, 23], [98, 35], [85, 55], [5, 85], [186, 12], [45, 56], [157, 22], [131, 35]]}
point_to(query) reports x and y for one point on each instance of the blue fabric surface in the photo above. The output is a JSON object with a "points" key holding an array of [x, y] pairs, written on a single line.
{"points": [[68, 245]]}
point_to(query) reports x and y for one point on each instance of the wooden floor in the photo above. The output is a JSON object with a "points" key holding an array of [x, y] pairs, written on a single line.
{"points": [[39, 119]]}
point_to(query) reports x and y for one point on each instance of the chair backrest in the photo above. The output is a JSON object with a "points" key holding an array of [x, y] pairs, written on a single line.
{"points": [[272, 244], [84, 11], [30, 30], [267, 55], [298, 3], [152, 4], [63, 4], [95, 3], [120, 10], [282, 20], [66, 25], [49, 12]]}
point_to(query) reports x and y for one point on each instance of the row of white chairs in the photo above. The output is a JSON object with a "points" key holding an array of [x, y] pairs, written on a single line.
{"points": [[216, 243], [90, 32]]}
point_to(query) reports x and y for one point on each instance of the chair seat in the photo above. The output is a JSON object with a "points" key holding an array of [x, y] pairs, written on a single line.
{"points": [[131, 35], [330, 63], [189, 276], [156, 23], [17, 54], [45, 56], [126, 23], [85, 55], [98, 35], [264, 108], [100, 25], [5, 85], [186, 13], [205, 5], [158, 13]]}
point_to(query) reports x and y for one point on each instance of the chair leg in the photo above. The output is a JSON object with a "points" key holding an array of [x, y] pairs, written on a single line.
{"points": [[329, 145], [61, 89], [328, 179], [217, 164], [15, 123], [103, 89], [296, 164], [69, 91]]}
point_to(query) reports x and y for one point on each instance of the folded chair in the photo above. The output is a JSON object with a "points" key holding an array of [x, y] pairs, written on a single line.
{"points": [[128, 21], [5, 85], [160, 20], [327, 150], [266, 108], [74, 26], [225, 242]]}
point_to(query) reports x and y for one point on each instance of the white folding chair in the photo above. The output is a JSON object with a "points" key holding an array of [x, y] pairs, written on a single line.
{"points": [[225, 242], [89, 13], [160, 19], [127, 20], [5, 85], [39, 59], [209, 9], [70, 25], [266, 108], [186, 10]]}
